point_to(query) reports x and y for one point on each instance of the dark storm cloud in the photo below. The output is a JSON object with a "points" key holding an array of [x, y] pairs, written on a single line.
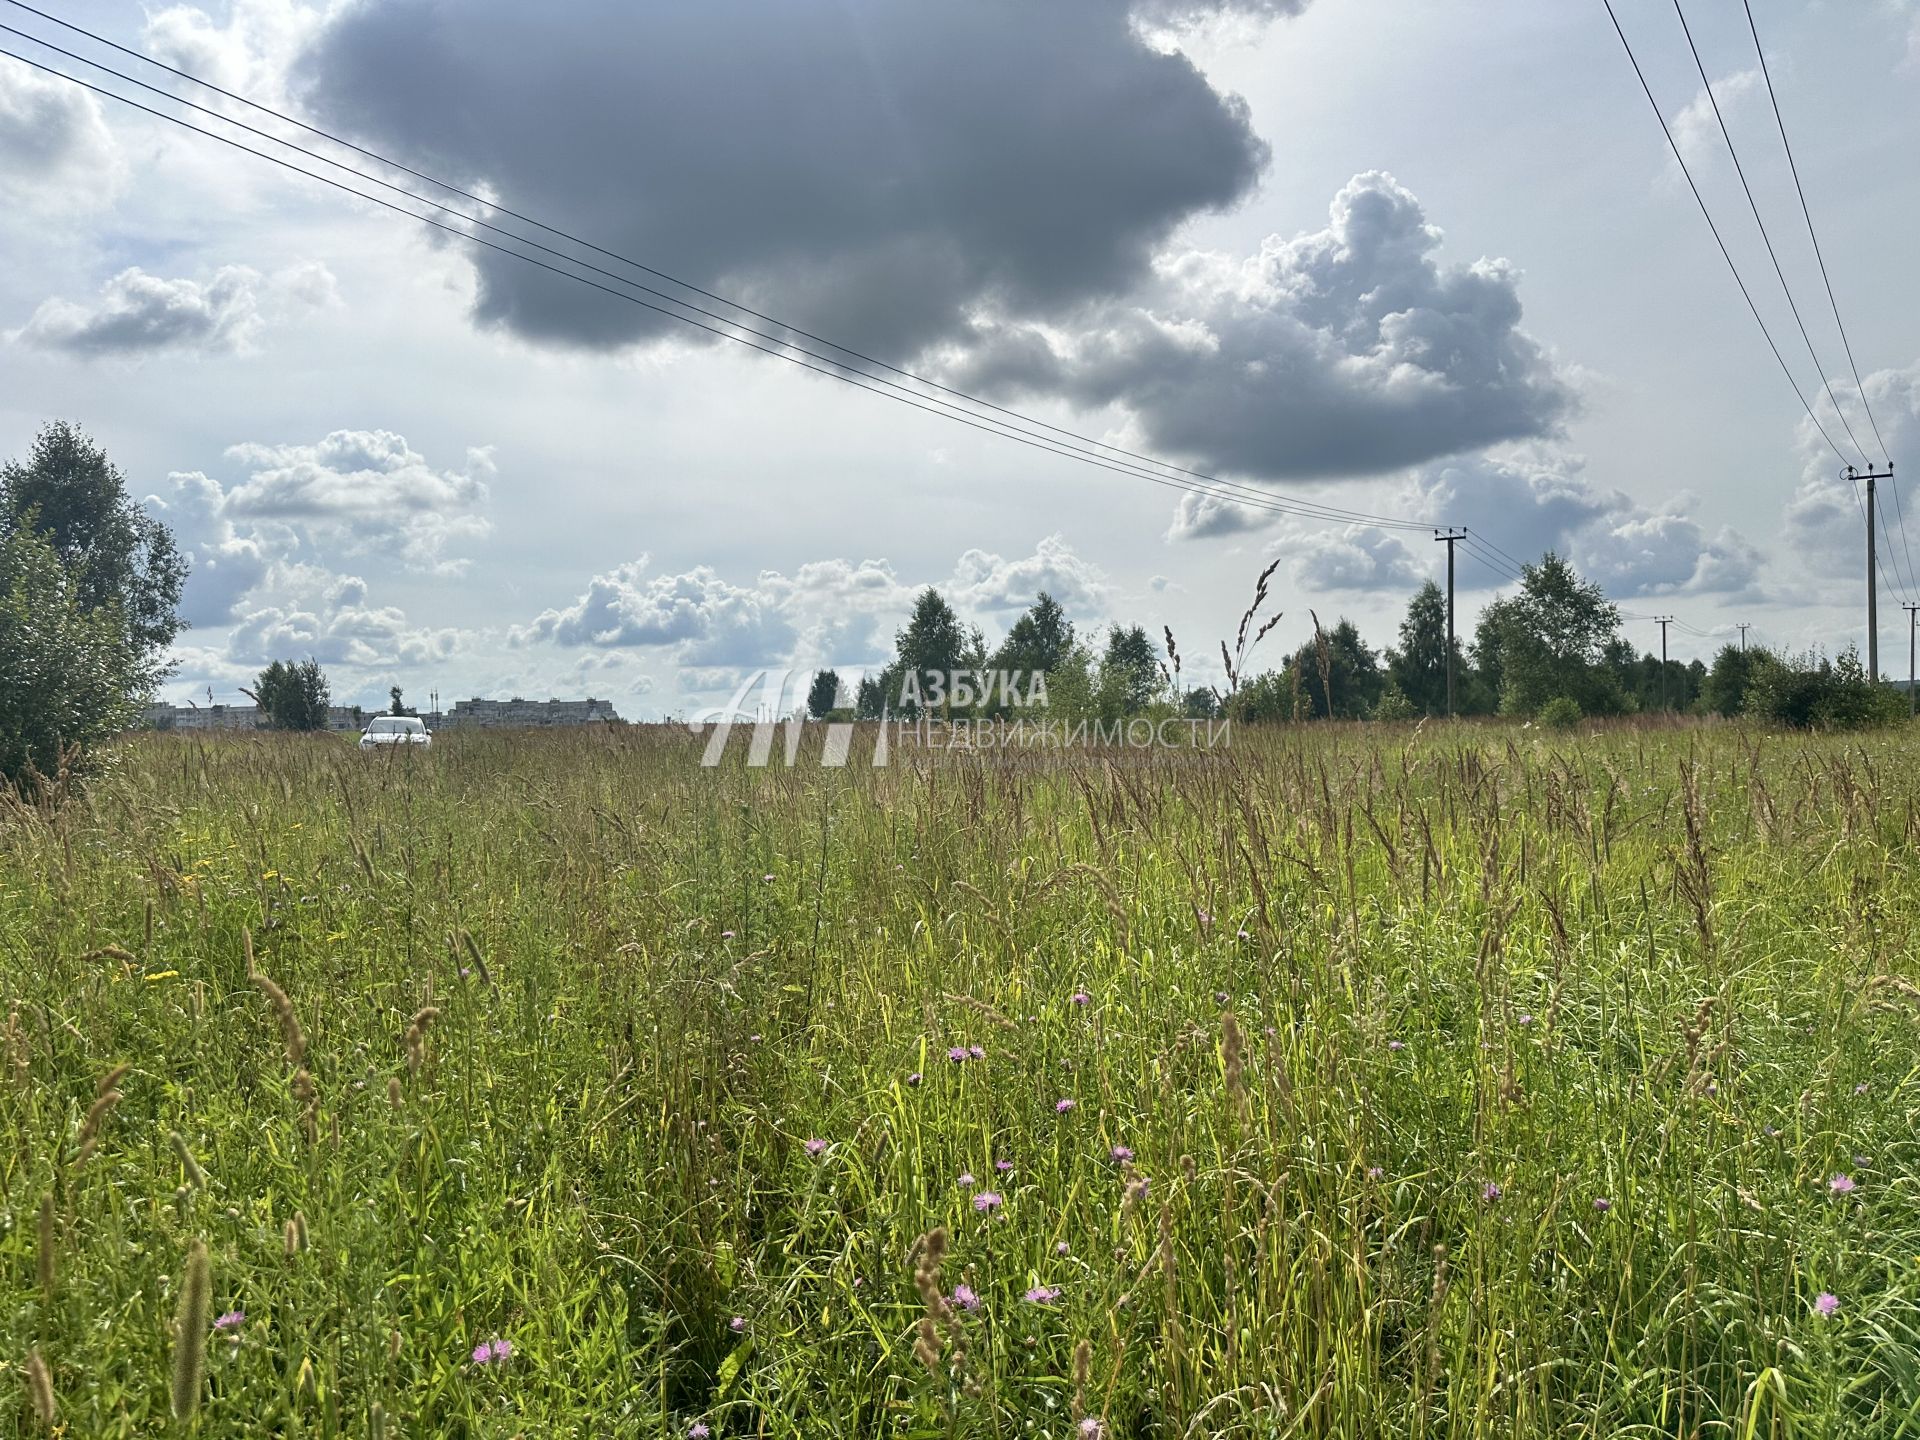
{"points": [[878, 170]]}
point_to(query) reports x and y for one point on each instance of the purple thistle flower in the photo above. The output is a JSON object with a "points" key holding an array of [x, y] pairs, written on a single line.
{"points": [[1602, 1204], [1490, 1192], [726, 934], [1526, 1019], [976, 1052], [698, 1430], [957, 1054], [1043, 1294], [1121, 1155], [965, 1297], [1375, 1172], [1003, 1166], [815, 1147], [483, 1353], [987, 1201], [1396, 1045], [501, 1350], [1061, 1107], [1826, 1302], [966, 1179], [738, 1324], [1063, 1248], [1081, 997], [1841, 1185], [914, 1078], [1091, 1428], [232, 1320], [1243, 935]]}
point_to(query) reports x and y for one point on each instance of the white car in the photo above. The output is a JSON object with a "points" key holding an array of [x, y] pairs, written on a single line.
{"points": [[395, 730]]}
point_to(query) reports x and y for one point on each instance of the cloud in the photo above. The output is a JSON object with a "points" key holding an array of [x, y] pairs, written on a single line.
{"points": [[1205, 516], [249, 54], [826, 612], [56, 152], [1347, 351], [139, 314], [1695, 130], [879, 170], [1356, 558], [368, 490], [1528, 507], [1824, 520], [224, 565]]}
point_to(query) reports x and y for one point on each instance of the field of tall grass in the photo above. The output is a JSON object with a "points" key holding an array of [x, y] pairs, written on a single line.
{"points": [[1343, 1082]]}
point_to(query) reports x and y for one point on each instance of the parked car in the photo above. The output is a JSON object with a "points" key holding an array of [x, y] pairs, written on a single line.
{"points": [[395, 730]]}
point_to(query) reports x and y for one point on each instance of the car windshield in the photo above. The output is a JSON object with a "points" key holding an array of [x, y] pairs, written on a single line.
{"points": [[395, 725]]}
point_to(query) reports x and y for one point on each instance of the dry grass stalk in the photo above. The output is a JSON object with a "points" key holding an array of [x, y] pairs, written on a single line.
{"points": [[40, 1390]]}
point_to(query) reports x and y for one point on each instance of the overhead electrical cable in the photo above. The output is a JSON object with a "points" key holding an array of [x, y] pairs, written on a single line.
{"points": [[1767, 239], [1700, 200]]}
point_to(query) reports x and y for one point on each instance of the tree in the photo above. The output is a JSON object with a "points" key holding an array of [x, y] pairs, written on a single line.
{"points": [[1724, 691], [1419, 666], [397, 709], [69, 673], [823, 695], [933, 644], [1130, 668], [118, 557], [294, 695], [1549, 640], [1039, 640], [1352, 668]]}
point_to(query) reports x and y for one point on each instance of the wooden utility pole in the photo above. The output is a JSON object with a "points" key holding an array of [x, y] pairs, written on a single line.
{"points": [[1743, 636], [1912, 610], [1663, 621], [1448, 538], [1871, 476]]}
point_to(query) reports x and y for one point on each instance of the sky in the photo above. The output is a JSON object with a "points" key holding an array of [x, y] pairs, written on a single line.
{"points": [[1429, 263]]}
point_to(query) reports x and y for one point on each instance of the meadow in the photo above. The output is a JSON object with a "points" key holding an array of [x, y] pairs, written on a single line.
{"points": [[1345, 1081]]}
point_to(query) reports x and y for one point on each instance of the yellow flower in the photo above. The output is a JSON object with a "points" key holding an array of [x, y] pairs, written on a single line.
{"points": [[161, 975]]}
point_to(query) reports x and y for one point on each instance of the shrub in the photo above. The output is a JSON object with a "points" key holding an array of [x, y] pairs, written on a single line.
{"points": [[1394, 705], [1810, 692], [1561, 713]]}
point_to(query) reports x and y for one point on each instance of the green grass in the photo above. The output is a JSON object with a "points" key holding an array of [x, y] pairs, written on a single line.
{"points": [[1671, 970]]}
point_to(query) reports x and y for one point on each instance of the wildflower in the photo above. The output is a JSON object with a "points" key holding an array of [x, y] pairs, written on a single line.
{"points": [[966, 1179], [1062, 1248], [1003, 1166], [232, 1320], [492, 1352], [965, 1297], [914, 1078], [815, 1147], [1490, 1192], [1221, 997], [726, 934], [1043, 1294], [1841, 1184], [987, 1201], [1243, 935], [957, 1054], [1526, 1019], [1081, 997], [768, 876], [501, 1350], [738, 1324], [1396, 1045], [976, 1052], [1091, 1429], [1861, 1088], [698, 1431], [1061, 1107], [1204, 917], [1121, 1155], [1826, 1302], [1375, 1172], [1602, 1204]]}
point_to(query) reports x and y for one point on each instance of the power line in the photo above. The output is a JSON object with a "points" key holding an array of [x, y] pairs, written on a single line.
{"points": [[1700, 200], [1766, 239], [1812, 235], [1304, 508]]}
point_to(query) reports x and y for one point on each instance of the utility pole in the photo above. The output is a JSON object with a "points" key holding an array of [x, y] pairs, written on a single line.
{"points": [[1743, 637], [1912, 610], [1663, 621], [1448, 540], [1871, 475]]}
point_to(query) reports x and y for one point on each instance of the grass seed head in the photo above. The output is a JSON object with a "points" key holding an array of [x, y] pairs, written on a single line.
{"points": [[40, 1390], [190, 1328]]}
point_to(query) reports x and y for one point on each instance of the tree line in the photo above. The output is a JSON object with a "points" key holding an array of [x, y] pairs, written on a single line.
{"points": [[1552, 651]]}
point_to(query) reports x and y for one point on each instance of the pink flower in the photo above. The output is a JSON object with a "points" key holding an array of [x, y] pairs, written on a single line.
{"points": [[1490, 1192], [987, 1201], [232, 1320], [965, 1298], [1043, 1294], [1826, 1302], [1061, 1107], [1841, 1185], [738, 1324], [816, 1147]]}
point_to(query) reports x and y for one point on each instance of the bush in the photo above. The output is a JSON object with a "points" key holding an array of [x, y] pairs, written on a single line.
{"points": [[1561, 713], [1394, 705], [1810, 692]]}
